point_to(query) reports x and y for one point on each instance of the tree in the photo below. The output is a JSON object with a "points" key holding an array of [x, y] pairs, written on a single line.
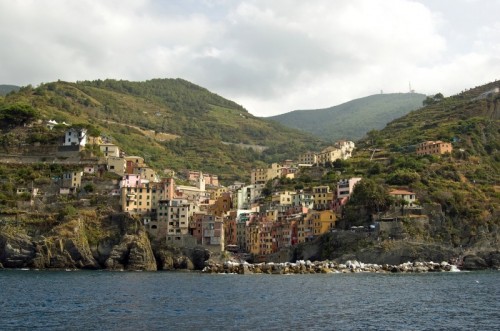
{"points": [[403, 177], [89, 188], [432, 100], [340, 164], [17, 114], [368, 197], [403, 203]]}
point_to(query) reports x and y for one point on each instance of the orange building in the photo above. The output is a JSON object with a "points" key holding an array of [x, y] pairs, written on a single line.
{"points": [[434, 148]]}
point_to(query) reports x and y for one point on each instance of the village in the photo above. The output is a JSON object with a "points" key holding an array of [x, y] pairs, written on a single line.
{"points": [[236, 218]]}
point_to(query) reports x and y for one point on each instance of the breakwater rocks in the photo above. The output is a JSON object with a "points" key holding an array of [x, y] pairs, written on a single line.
{"points": [[324, 267]]}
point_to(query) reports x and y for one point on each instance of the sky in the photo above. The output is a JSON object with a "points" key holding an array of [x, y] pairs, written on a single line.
{"points": [[271, 57]]}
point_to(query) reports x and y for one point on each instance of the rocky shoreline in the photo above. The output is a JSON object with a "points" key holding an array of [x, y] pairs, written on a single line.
{"points": [[119, 242], [325, 267]]}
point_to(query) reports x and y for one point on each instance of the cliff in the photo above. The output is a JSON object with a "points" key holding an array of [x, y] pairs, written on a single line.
{"points": [[70, 245], [91, 241]]}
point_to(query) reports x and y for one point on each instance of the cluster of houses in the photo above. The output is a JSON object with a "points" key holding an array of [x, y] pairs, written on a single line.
{"points": [[236, 217]]}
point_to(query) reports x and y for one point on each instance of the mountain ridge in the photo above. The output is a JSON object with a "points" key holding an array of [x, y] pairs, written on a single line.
{"points": [[353, 119]]}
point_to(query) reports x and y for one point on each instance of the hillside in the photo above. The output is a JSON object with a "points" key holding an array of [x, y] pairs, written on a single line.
{"points": [[464, 183], [171, 122], [353, 119]]}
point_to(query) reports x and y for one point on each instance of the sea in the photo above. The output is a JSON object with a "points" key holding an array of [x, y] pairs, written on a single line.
{"points": [[103, 300]]}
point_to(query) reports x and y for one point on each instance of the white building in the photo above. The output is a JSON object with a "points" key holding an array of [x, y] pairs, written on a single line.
{"points": [[248, 195], [75, 136]]}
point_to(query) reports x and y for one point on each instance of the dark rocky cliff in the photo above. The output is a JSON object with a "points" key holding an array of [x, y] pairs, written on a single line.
{"points": [[114, 242]]}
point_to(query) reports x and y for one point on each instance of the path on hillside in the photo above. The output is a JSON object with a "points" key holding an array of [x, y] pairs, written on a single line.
{"points": [[158, 136]]}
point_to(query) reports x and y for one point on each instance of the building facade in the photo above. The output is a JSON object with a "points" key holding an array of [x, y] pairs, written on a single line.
{"points": [[433, 148]]}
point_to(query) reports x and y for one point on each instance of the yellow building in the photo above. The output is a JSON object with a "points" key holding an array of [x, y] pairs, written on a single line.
{"points": [[139, 200], [252, 236], [323, 197], [308, 158], [304, 229], [283, 197], [322, 221], [329, 154], [217, 192], [262, 175], [265, 238], [258, 176]]}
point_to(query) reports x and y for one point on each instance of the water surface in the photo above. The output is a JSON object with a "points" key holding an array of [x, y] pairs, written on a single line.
{"points": [[101, 300]]}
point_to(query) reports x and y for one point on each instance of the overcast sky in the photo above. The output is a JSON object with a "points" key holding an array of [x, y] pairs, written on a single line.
{"points": [[270, 56]]}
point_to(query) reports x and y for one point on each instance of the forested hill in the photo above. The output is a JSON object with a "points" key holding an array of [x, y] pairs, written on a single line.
{"points": [[353, 119], [171, 122]]}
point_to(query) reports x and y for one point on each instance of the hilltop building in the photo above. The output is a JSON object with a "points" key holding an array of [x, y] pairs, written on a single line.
{"points": [[433, 148]]}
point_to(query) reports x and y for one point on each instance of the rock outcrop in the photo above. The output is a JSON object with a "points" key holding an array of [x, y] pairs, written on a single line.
{"points": [[63, 253], [127, 247], [16, 250], [174, 258], [132, 253], [474, 262]]}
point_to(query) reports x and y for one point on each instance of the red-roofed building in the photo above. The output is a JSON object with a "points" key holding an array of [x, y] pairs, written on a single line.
{"points": [[400, 194]]}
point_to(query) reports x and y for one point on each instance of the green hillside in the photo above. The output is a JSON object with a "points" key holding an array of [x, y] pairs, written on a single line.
{"points": [[351, 120], [171, 122], [464, 183]]}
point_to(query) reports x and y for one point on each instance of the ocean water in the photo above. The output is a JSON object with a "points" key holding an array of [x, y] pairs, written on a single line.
{"points": [[101, 300]]}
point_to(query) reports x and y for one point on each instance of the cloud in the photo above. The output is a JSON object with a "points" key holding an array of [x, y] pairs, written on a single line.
{"points": [[270, 56], [311, 55]]}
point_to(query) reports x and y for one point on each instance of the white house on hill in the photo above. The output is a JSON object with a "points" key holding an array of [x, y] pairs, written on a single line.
{"points": [[75, 136]]}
